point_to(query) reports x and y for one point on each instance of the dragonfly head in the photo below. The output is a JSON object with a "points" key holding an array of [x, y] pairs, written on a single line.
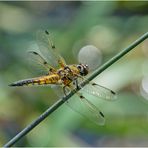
{"points": [[83, 69]]}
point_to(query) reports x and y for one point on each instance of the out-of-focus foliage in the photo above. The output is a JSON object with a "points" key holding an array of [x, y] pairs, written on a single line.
{"points": [[110, 26]]}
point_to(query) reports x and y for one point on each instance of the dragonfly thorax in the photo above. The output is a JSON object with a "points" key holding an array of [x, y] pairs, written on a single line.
{"points": [[69, 73]]}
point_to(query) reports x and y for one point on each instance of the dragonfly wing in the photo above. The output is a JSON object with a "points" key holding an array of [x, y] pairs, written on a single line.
{"points": [[48, 49], [99, 91], [84, 107], [38, 62]]}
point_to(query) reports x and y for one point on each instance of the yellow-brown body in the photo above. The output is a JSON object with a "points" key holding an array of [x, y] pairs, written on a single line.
{"points": [[64, 75]]}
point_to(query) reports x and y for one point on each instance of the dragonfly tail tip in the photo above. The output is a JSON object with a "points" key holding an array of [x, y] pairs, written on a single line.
{"points": [[13, 84]]}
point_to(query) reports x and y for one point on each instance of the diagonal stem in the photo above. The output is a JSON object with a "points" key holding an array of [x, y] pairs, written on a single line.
{"points": [[55, 106]]}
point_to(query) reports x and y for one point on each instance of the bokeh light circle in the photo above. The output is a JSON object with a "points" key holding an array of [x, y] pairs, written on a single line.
{"points": [[91, 56]]}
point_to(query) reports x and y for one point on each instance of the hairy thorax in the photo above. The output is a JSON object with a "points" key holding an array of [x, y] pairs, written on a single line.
{"points": [[68, 74]]}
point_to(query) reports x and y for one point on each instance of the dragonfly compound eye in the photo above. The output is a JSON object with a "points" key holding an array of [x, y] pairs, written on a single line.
{"points": [[83, 69]]}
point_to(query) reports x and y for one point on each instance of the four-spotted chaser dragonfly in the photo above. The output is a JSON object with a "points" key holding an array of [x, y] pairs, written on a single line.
{"points": [[67, 76]]}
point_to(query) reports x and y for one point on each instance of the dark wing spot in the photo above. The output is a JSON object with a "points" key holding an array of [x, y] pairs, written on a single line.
{"points": [[46, 32], [94, 84], [34, 52], [113, 92], [53, 46], [45, 62], [101, 114], [50, 69], [82, 97]]}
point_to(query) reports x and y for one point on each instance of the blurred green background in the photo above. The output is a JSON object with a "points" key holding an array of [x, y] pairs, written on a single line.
{"points": [[110, 26]]}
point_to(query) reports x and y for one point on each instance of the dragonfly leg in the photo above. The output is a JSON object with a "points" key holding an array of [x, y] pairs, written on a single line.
{"points": [[66, 90], [76, 83]]}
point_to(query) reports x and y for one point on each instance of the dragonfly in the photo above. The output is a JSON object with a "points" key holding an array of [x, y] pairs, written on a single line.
{"points": [[57, 72]]}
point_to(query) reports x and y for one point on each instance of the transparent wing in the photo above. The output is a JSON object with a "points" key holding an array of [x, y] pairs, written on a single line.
{"points": [[48, 49], [99, 91], [37, 62], [87, 109]]}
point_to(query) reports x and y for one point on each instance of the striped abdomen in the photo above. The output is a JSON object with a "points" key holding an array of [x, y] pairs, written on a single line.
{"points": [[44, 80]]}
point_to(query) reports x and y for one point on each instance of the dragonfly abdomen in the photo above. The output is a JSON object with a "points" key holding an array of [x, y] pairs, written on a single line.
{"points": [[44, 80], [22, 82]]}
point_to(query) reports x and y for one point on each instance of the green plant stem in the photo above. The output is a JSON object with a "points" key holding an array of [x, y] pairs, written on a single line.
{"points": [[61, 101]]}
